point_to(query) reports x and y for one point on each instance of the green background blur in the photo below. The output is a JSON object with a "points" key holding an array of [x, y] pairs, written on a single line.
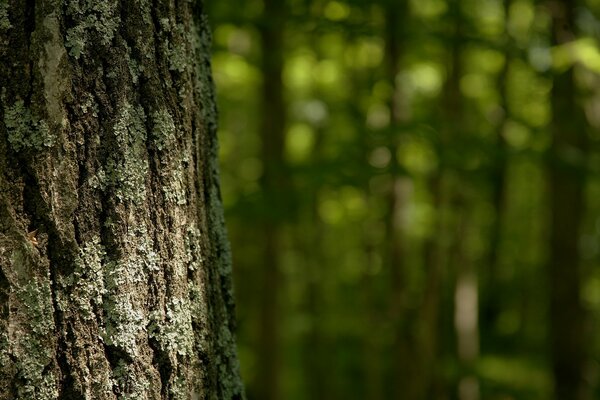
{"points": [[412, 195]]}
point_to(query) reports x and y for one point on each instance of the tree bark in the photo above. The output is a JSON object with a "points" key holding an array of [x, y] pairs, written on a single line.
{"points": [[114, 263]]}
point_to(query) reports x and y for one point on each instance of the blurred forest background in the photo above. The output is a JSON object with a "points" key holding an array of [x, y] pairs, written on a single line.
{"points": [[412, 193]]}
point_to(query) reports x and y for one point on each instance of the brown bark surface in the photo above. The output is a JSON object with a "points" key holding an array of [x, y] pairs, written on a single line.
{"points": [[114, 263]]}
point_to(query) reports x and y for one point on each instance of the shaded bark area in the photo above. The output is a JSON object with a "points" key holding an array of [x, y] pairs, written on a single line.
{"points": [[115, 268], [567, 160]]}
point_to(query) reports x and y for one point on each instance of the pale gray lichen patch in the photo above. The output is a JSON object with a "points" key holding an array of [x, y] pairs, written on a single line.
{"points": [[24, 130], [98, 179], [192, 247], [165, 24], [4, 21], [175, 45], [89, 105], [125, 308], [164, 136], [4, 349], [86, 283], [126, 321], [176, 339], [174, 184], [129, 382], [127, 172], [37, 299], [143, 257], [178, 50], [100, 18], [125, 318], [173, 330], [129, 127], [180, 388], [163, 129], [135, 68], [75, 40], [30, 347]]}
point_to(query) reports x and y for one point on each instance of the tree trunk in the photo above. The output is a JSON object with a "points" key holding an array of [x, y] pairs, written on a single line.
{"points": [[114, 263], [461, 202], [406, 377], [272, 184], [566, 202], [492, 292]]}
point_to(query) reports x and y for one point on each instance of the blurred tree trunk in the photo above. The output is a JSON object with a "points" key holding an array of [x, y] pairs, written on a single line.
{"points": [[466, 303], [114, 262], [567, 181], [273, 182], [318, 359], [429, 321], [371, 313], [492, 299], [405, 375]]}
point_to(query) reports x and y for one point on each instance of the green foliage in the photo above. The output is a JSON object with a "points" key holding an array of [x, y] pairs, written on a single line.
{"points": [[398, 174]]}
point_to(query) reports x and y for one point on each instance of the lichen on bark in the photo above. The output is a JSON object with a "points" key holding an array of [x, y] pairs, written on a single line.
{"points": [[25, 131], [4, 20]]}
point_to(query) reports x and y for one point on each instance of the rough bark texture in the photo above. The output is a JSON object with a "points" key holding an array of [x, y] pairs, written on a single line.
{"points": [[115, 268]]}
